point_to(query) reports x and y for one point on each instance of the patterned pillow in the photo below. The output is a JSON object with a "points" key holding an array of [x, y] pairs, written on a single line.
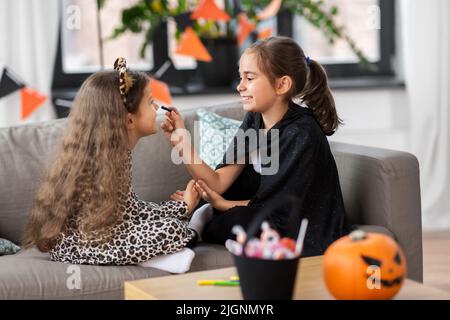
{"points": [[216, 133], [7, 247]]}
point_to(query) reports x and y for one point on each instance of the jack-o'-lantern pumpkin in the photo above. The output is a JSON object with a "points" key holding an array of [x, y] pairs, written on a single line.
{"points": [[364, 266]]}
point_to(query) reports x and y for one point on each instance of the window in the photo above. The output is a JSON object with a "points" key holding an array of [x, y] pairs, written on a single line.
{"points": [[80, 33], [370, 23], [362, 19], [80, 53]]}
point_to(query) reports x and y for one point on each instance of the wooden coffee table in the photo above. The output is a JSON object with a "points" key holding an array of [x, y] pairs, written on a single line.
{"points": [[309, 286]]}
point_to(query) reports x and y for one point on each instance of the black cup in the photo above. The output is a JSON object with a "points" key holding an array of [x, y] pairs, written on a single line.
{"points": [[262, 279]]}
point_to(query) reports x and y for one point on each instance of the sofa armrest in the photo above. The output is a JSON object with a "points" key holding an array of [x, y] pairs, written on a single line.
{"points": [[382, 187]]}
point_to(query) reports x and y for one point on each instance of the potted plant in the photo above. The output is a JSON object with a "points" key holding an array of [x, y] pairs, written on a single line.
{"points": [[220, 38]]}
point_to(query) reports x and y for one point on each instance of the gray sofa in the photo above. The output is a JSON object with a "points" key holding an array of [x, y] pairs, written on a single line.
{"points": [[381, 191]]}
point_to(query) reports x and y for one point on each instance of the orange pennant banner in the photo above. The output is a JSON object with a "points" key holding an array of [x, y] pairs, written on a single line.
{"points": [[207, 9], [160, 91], [245, 28], [191, 45], [31, 100], [265, 33], [270, 11]]}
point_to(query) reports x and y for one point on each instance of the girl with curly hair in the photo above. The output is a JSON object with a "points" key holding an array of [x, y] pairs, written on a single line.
{"points": [[86, 211]]}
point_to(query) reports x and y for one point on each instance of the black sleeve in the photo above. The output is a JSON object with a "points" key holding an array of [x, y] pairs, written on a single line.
{"points": [[236, 151]]}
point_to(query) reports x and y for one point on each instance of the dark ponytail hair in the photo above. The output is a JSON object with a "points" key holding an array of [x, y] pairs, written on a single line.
{"points": [[282, 56]]}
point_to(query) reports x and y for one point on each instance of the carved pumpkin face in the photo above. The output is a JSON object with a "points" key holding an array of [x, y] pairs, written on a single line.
{"points": [[364, 266]]}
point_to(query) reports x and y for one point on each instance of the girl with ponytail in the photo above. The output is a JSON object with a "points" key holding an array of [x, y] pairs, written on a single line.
{"points": [[274, 73]]}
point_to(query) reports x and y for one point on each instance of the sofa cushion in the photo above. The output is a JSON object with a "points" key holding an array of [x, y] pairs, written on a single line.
{"points": [[7, 247], [30, 274], [216, 133], [25, 152]]}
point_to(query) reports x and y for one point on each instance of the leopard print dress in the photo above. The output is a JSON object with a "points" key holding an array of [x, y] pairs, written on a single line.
{"points": [[147, 230]]}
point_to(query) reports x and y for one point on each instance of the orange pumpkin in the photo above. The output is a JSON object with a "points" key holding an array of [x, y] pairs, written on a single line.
{"points": [[364, 266]]}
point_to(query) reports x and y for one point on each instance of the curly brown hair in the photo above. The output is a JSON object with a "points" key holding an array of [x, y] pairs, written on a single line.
{"points": [[88, 181]]}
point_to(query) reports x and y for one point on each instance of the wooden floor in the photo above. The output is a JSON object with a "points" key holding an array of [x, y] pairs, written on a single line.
{"points": [[436, 259]]}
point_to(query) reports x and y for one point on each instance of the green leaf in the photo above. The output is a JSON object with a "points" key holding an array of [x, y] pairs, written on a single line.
{"points": [[132, 14], [334, 11], [132, 18], [117, 32], [142, 50], [182, 6], [100, 4]]}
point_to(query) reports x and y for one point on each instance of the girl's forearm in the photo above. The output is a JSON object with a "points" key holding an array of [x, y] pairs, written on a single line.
{"points": [[197, 168]]}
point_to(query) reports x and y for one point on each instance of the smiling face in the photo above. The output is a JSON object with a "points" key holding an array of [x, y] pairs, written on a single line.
{"points": [[255, 88]]}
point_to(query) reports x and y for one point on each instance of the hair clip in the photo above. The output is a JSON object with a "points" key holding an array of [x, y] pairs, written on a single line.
{"points": [[125, 81], [308, 60]]}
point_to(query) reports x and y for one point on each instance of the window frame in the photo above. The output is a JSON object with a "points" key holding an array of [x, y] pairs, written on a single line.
{"points": [[384, 67], [62, 80], [66, 81]]}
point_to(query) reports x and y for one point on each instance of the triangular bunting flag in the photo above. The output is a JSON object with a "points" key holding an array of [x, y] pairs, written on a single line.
{"points": [[9, 83], [191, 45], [31, 100], [207, 9], [160, 91], [245, 28], [265, 33], [270, 11]]}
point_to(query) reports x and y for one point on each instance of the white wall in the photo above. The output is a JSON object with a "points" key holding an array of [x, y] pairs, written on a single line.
{"points": [[203, 100], [378, 118]]}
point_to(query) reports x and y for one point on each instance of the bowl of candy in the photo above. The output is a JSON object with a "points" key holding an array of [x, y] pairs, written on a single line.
{"points": [[267, 265]]}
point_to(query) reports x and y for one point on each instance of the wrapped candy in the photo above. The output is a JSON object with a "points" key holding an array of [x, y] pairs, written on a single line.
{"points": [[234, 247], [269, 245], [240, 233]]}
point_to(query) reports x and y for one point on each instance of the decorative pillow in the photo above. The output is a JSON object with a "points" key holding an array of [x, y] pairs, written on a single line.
{"points": [[7, 247], [216, 133]]}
